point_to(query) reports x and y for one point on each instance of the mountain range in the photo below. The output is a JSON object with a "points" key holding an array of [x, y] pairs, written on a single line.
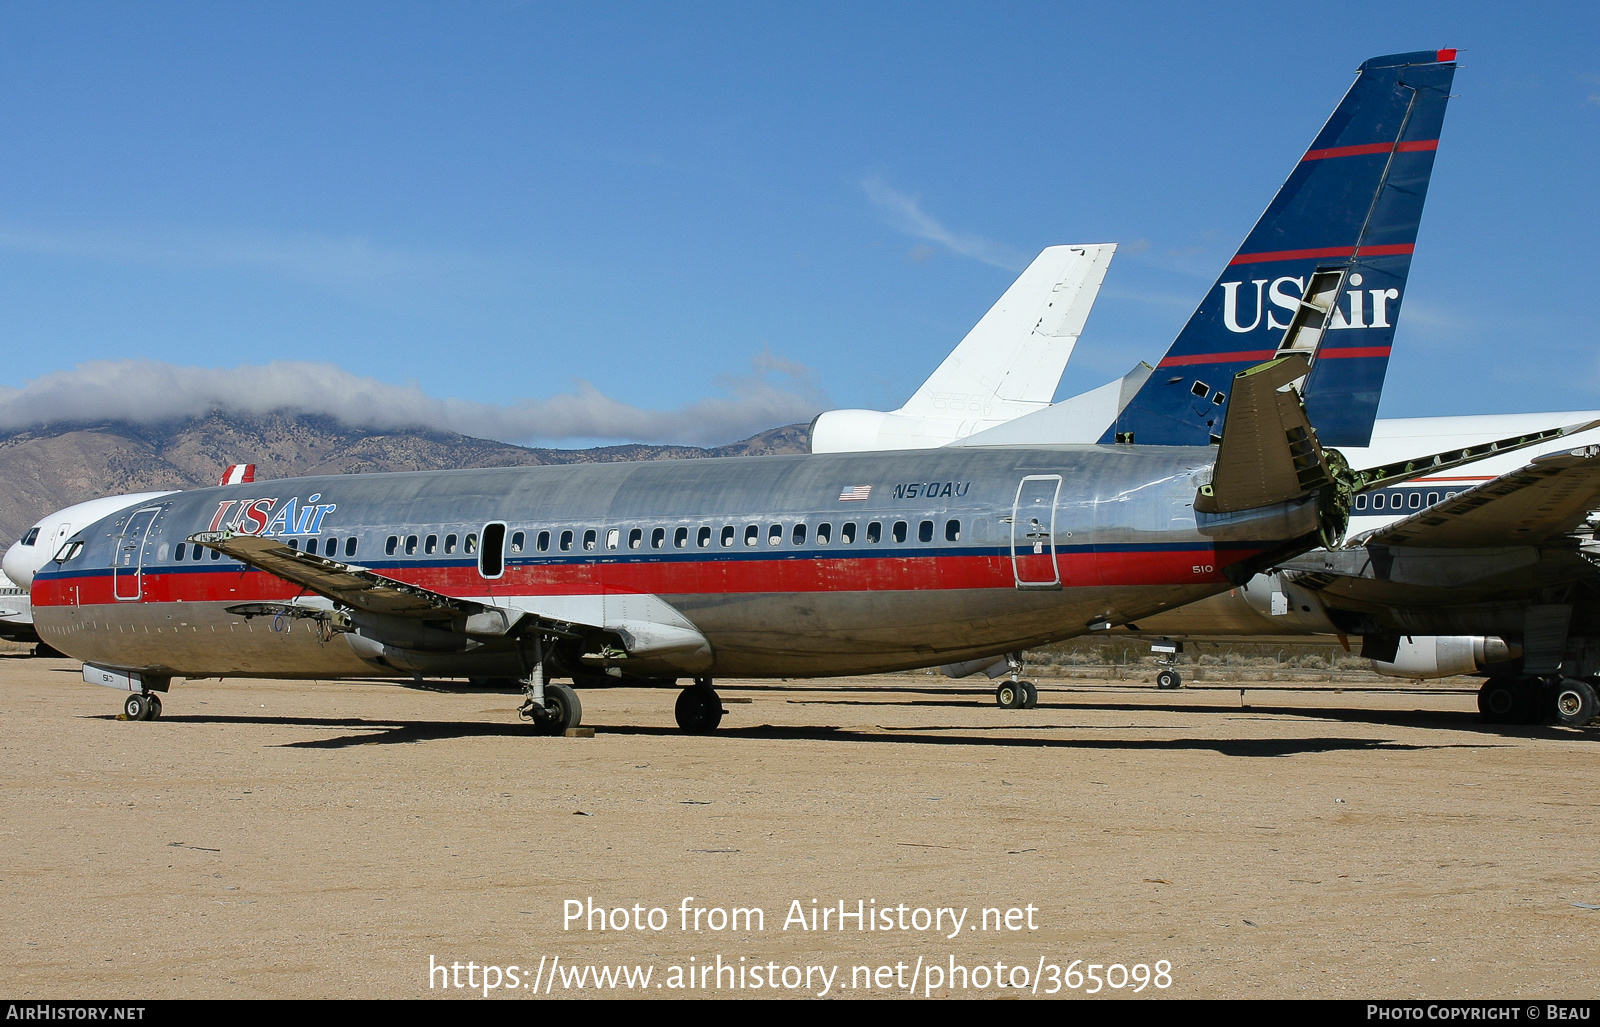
{"points": [[45, 469]]}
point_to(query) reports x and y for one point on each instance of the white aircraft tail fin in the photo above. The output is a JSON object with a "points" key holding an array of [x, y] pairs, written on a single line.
{"points": [[1012, 360], [1008, 365]]}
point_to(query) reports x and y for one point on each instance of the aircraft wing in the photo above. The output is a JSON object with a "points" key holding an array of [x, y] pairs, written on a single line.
{"points": [[646, 626], [357, 587], [1550, 496]]}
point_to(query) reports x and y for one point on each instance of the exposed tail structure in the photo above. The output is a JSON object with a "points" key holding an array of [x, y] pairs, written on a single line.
{"points": [[1323, 272]]}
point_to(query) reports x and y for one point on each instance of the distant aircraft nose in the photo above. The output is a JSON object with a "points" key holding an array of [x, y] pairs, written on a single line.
{"points": [[20, 563]]}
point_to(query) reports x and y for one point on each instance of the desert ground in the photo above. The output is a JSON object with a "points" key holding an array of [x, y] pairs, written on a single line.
{"points": [[337, 839]]}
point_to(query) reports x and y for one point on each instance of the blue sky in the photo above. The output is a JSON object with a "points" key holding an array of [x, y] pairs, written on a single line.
{"points": [[692, 207]]}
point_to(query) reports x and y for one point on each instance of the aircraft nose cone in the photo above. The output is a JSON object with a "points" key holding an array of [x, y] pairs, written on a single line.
{"points": [[19, 564]]}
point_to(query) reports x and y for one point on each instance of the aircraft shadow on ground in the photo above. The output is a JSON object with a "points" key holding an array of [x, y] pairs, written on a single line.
{"points": [[1447, 719], [393, 732]]}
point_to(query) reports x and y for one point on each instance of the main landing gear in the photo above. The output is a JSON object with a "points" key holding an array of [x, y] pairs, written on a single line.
{"points": [[1571, 702], [551, 707], [142, 706], [699, 708]]}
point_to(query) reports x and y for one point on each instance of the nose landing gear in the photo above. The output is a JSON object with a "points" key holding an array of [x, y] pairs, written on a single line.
{"points": [[699, 708]]}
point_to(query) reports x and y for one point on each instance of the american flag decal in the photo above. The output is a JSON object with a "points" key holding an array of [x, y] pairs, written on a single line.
{"points": [[855, 493]]}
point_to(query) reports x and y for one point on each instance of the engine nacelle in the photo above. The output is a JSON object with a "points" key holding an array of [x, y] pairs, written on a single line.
{"points": [[1440, 656]]}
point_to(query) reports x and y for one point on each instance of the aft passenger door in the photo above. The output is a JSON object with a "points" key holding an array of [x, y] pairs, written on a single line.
{"points": [[1033, 532], [127, 559]]}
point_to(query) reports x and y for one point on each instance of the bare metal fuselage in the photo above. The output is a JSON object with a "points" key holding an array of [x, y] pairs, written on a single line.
{"points": [[789, 566]]}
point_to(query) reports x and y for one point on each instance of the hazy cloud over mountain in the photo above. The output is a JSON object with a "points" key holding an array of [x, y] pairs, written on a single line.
{"points": [[152, 392]]}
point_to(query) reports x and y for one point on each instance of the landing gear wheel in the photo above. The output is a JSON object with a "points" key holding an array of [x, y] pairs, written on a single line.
{"points": [[1030, 695], [1010, 695], [699, 709], [1168, 679], [155, 706], [137, 706], [1500, 701], [1574, 703], [561, 710]]}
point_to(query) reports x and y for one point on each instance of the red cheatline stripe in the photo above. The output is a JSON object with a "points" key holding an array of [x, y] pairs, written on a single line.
{"points": [[1325, 251], [1354, 351], [1254, 355], [1352, 151]]}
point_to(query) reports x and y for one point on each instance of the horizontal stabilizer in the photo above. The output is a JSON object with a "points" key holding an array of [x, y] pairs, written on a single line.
{"points": [[1405, 470], [1269, 453]]}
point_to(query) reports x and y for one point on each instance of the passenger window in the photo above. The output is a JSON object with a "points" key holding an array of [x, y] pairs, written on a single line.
{"points": [[200, 553], [727, 536], [752, 534], [390, 546], [177, 554], [925, 531], [1377, 500], [1433, 497], [613, 536], [589, 539], [899, 531], [449, 544], [635, 538], [658, 538], [703, 538], [350, 546], [214, 555], [875, 532], [680, 538], [1414, 500], [492, 561], [847, 533], [518, 541], [952, 531], [799, 534], [411, 545], [1361, 502], [331, 547], [472, 542], [824, 533], [566, 541], [294, 544], [543, 543], [1451, 495], [430, 544], [775, 535]]}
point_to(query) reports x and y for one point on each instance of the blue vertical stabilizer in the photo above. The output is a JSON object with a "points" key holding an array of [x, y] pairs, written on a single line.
{"points": [[1323, 272]]}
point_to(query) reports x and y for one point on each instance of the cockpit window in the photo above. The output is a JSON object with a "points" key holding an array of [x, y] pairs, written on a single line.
{"points": [[31, 537]]}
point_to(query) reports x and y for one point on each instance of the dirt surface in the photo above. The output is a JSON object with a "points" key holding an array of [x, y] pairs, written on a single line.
{"points": [[291, 840]]}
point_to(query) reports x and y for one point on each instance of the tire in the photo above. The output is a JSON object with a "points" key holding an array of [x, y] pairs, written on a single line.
{"points": [[1030, 695], [698, 710], [1500, 701], [1574, 703], [562, 709], [1010, 695], [136, 706], [1168, 679], [155, 706]]}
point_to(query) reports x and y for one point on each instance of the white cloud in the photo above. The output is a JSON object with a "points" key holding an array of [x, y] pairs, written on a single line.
{"points": [[905, 213], [150, 392]]}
